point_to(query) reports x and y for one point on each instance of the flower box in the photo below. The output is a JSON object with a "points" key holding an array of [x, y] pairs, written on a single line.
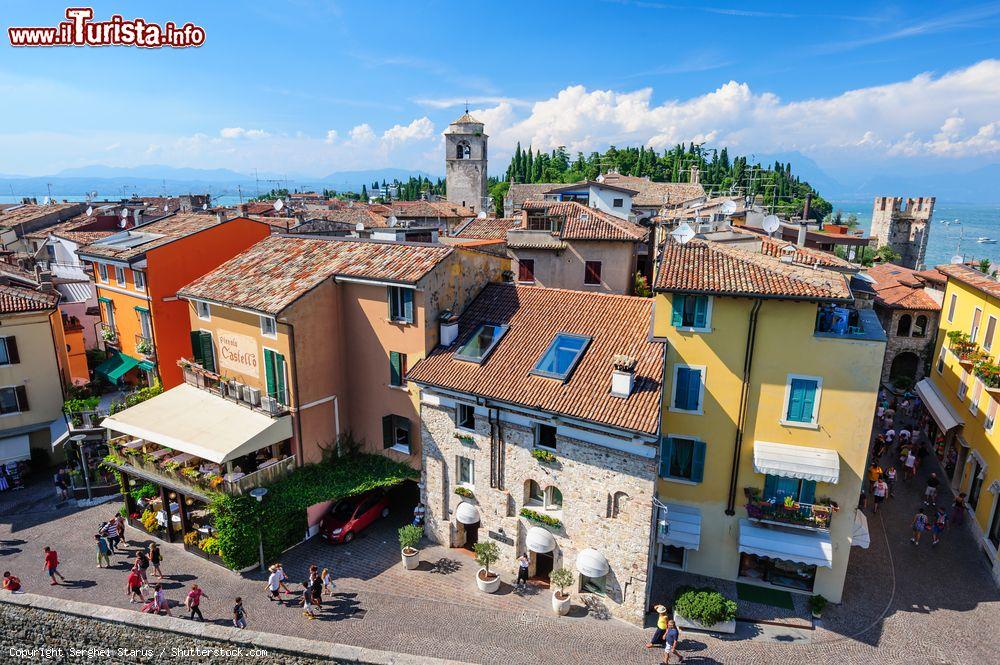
{"points": [[728, 627]]}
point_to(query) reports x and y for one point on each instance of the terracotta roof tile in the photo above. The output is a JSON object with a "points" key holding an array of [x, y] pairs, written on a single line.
{"points": [[489, 228], [160, 232], [807, 255], [15, 299], [972, 277], [897, 287], [616, 324], [74, 229], [275, 272], [28, 213], [584, 223], [656, 193], [430, 209]]}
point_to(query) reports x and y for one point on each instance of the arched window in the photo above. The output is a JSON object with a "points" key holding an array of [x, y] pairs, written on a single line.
{"points": [[533, 495], [463, 150], [619, 500], [920, 327], [903, 327], [553, 498]]}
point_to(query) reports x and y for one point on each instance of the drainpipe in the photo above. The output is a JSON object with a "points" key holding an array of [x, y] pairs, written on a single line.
{"points": [[494, 417], [744, 400], [295, 382]]}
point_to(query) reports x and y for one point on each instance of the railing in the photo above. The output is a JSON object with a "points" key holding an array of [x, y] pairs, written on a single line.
{"points": [[802, 515], [86, 420], [144, 345], [239, 393], [108, 333], [265, 476]]}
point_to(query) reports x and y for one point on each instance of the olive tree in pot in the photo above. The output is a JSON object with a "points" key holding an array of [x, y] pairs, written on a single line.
{"points": [[487, 553], [561, 578], [409, 538]]}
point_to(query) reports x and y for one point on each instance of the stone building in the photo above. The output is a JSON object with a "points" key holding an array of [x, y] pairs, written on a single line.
{"points": [[539, 421], [904, 228], [908, 304], [465, 163]]}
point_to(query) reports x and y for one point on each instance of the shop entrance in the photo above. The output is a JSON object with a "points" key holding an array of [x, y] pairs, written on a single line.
{"points": [[471, 536], [543, 565]]}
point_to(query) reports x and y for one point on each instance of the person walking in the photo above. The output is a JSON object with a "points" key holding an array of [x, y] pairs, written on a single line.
{"points": [[142, 564], [110, 531], [316, 586], [156, 558], [890, 436], [940, 521], [103, 551], [919, 525], [890, 480], [673, 637], [274, 584], [133, 586], [307, 600], [11, 582], [160, 597], [239, 616], [910, 464], [874, 473], [119, 521], [193, 602], [921, 455], [328, 584], [930, 494], [904, 436], [51, 565], [958, 509], [662, 617], [879, 492], [522, 570], [282, 577]]}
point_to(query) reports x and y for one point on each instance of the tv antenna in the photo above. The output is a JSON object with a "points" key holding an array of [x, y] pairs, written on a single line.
{"points": [[683, 233]]}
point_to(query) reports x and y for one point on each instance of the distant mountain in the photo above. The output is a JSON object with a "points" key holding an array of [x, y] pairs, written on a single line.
{"points": [[153, 171], [352, 180], [977, 186], [806, 169]]}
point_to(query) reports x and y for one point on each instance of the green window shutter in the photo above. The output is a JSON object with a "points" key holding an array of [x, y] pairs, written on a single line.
{"points": [[701, 311], [770, 486], [395, 369], [808, 400], [407, 304], [795, 402], [269, 374], [389, 292], [279, 376], [387, 432], [207, 351], [196, 347], [22, 398], [698, 462], [808, 492], [694, 389], [681, 389], [666, 450], [677, 313], [802, 399]]}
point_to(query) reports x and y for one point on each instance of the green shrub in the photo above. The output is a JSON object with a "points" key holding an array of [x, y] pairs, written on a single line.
{"points": [[543, 456], [487, 553], [77, 405], [409, 536], [562, 578], [705, 606], [464, 491], [541, 518], [817, 604]]}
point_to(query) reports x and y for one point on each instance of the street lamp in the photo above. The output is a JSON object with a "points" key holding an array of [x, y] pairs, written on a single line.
{"points": [[258, 493], [78, 439]]}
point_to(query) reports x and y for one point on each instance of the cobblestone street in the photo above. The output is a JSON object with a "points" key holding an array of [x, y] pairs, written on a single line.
{"points": [[902, 604]]}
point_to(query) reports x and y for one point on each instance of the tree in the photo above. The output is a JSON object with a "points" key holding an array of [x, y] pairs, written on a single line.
{"points": [[498, 191], [364, 193], [886, 254], [487, 553]]}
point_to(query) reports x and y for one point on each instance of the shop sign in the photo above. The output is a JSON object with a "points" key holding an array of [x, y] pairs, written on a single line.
{"points": [[238, 353], [503, 538]]}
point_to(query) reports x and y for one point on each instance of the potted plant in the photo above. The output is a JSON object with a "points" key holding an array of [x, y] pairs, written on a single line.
{"points": [[543, 456], [704, 609], [144, 347], [409, 538], [817, 604], [487, 553], [108, 335], [561, 578], [464, 492]]}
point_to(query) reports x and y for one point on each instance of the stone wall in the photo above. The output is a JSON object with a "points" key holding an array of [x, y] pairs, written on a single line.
{"points": [[37, 629], [587, 474], [897, 344]]}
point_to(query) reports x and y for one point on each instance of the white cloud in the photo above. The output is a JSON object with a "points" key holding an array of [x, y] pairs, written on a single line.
{"points": [[331, 135], [240, 133], [450, 102], [362, 133], [419, 129]]}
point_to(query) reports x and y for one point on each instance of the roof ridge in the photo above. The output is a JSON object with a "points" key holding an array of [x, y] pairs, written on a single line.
{"points": [[792, 271]]}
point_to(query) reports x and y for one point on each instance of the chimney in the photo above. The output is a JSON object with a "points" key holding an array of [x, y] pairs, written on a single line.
{"points": [[622, 376], [449, 327], [695, 176], [805, 208], [803, 228], [44, 279]]}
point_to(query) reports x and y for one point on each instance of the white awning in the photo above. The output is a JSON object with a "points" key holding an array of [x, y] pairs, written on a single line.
{"points": [[809, 548], [195, 421], [466, 513], [540, 540], [860, 537], [592, 563], [682, 528], [14, 449], [802, 462], [942, 413]]}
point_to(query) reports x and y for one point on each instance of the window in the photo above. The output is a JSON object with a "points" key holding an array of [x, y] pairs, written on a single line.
{"points": [[396, 433], [617, 203], [903, 327], [977, 317], [397, 369], [951, 307], [671, 556], [465, 416], [533, 494], [619, 501], [593, 584], [802, 400], [481, 343], [526, 270], [592, 273], [976, 486], [268, 326], [940, 361], [562, 356], [400, 304], [991, 329], [203, 310], [545, 436], [8, 351], [920, 327], [778, 572], [466, 471], [991, 415], [274, 375], [203, 349], [963, 385], [140, 280], [120, 275], [145, 324], [691, 312], [994, 532], [776, 488], [102, 270], [682, 458], [109, 312], [13, 399], [463, 150], [689, 383], [977, 392]]}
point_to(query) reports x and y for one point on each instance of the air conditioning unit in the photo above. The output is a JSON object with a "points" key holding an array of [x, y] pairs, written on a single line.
{"points": [[269, 404], [236, 390], [251, 395]]}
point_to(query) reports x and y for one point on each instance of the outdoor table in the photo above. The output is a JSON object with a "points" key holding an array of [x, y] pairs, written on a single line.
{"points": [[162, 452], [182, 458]]}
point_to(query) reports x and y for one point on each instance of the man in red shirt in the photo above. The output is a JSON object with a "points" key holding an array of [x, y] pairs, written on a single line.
{"points": [[52, 565], [133, 587]]}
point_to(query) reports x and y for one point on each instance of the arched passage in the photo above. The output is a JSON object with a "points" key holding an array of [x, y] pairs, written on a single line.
{"points": [[904, 367]]}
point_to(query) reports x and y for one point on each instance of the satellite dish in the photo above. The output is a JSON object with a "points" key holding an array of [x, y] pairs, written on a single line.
{"points": [[278, 205], [958, 259], [728, 208], [683, 233], [393, 221], [125, 213], [204, 206], [771, 223], [166, 208], [122, 224], [90, 210], [481, 215], [359, 226], [45, 201]]}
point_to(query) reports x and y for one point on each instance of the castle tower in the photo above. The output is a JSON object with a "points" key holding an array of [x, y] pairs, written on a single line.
{"points": [[465, 162], [904, 227]]}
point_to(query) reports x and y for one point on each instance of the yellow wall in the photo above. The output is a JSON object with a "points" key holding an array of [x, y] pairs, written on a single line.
{"points": [[785, 344], [986, 443]]}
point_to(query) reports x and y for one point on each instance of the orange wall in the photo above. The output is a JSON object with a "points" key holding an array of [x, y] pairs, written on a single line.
{"points": [[179, 263], [126, 318]]}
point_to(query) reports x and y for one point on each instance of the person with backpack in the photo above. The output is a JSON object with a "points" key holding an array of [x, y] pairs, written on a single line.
{"points": [[919, 525], [940, 521], [103, 551]]}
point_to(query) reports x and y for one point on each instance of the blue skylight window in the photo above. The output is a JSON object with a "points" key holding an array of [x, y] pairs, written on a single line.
{"points": [[562, 356], [481, 343]]}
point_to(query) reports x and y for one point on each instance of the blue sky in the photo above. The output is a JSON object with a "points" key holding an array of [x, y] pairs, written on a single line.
{"points": [[309, 87]]}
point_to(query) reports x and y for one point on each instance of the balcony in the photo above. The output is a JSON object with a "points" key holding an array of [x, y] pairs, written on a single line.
{"points": [[185, 471], [234, 391], [144, 346], [109, 334], [838, 322], [812, 516]]}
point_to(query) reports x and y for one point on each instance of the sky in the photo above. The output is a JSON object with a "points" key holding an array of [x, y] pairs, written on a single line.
{"points": [[306, 87]]}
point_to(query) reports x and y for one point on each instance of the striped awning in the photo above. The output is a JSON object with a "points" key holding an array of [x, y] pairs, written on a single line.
{"points": [[802, 462], [809, 548], [680, 526]]}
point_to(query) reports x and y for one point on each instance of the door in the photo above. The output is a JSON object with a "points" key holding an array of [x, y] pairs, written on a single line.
{"points": [[471, 536], [544, 564]]}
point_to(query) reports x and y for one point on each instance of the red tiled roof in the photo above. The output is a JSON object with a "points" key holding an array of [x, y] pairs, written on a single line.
{"points": [[428, 209], [806, 255], [616, 324], [972, 277], [160, 233], [275, 272], [26, 214], [702, 266], [583, 223], [15, 299], [369, 216], [73, 229], [489, 228], [655, 193], [899, 288]]}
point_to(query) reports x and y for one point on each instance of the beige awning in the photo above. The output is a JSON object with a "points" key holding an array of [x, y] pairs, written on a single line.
{"points": [[945, 416], [195, 421]]}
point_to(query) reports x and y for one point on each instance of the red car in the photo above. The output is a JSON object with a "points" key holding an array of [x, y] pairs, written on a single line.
{"points": [[350, 516]]}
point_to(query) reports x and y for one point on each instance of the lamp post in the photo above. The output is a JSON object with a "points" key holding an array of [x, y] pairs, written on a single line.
{"points": [[258, 493], [78, 439]]}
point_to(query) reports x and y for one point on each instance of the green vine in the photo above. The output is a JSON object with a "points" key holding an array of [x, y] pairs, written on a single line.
{"points": [[541, 518]]}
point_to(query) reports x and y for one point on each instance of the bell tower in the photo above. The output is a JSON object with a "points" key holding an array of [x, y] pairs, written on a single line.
{"points": [[465, 162]]}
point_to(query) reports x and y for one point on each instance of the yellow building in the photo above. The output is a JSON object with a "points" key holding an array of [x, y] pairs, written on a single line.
{"points": [[769, 395], [961, 394]]}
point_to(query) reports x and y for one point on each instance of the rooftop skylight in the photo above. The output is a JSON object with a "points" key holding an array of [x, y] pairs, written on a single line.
{"points": [[562, 356], [481, 343]]}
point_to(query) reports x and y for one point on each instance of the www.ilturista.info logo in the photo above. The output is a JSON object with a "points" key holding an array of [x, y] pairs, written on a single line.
{"points": [[80, 30]]}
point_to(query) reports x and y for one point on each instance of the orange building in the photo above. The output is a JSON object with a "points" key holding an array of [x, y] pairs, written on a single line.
{"points": [[137, 273]]}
